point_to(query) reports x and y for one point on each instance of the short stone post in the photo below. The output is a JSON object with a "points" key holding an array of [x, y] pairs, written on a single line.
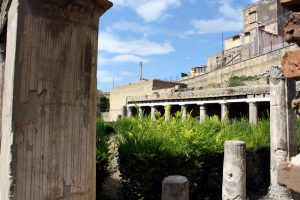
{"points": [[253, 117], [224, 110], [129, 111], [153, 113], [184, 112], [167, 112], [175, 188], [124, 112], [234, 171], [202, 113], [281, 145]]}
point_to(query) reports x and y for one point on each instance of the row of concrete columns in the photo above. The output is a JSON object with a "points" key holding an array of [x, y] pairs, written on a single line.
{"points": [[253, 112]]}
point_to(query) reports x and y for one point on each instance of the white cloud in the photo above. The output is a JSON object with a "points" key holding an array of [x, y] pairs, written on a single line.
{"points": [[229, 18], [107, 77], [140, 47], [122, 58], [149, 10]]}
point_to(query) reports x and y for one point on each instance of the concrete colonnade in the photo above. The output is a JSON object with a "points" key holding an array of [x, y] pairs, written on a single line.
{"points": [[204, 110]]}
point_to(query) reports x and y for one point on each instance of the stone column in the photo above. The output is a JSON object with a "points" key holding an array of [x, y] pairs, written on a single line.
{"points": [[202, 113], [175, 188], [167, 112], [49, 141], [224, 110], [129, 111], [281, 146], [124, 111], [140, 112], [234, 171], [253, 115], [2, 69], [184, 112], [153, 113]]}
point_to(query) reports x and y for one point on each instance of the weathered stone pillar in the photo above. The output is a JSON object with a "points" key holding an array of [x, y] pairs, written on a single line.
{"points": [[140, 112], [153, 113], [253, 115], [202, 113], [175, 188], [184, 112], [124, 112], [48, 142], [224, 110], [167, 112], [281, 145], [2, 69], [234, 171], [129, 111]]}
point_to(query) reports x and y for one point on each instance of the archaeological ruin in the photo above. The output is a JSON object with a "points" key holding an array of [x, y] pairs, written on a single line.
{"points": [[47, 88], [205, 90]]}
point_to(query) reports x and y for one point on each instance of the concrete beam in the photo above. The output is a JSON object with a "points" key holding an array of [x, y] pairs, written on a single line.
{"points": [[48, 121], [201, 102]]}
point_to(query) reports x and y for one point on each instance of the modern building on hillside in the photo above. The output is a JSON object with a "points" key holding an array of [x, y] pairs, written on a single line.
{"points": [[263, 24]]}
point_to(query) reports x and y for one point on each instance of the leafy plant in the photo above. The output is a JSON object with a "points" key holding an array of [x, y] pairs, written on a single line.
{"points": [[103, 131], [151, 150], [236, 81]]}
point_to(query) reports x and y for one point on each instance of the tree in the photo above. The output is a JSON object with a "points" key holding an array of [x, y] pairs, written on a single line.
{"points": [[102, 102]]}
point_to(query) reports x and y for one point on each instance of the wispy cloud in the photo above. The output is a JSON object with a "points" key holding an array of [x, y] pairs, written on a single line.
{"points": [[122, 58], [149, 10], [140, 47], [107, 77], [228, 18]]}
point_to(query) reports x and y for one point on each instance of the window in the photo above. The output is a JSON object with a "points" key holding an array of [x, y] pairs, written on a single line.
{"points": [[252, 17]]}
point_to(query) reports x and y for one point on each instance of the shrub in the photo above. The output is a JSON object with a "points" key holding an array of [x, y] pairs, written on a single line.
{"points": [[151, 150], [236, 81], [102, 152]]}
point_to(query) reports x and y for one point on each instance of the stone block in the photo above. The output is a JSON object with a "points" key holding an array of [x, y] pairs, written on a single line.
{"points": [[291, 64], [292, 28], [291, 4], [175, 188], [289, 174]]}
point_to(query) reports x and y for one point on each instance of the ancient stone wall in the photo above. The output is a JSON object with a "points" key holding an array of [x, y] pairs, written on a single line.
{"points": [[118, 95], [253, 66]]}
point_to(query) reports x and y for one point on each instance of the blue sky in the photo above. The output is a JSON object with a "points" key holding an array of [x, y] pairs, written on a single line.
{"points": [[168, 36]]}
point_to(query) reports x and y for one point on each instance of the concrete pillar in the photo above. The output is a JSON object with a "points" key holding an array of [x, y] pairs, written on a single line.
{"points": [[224, 110], [234, 171], [153, 113], [202, 113], [282, 146], [167, 112], [140, 112], [253, 115], [184, 112], [129, 111], [175, 188], [48, 121], [124, 112]]}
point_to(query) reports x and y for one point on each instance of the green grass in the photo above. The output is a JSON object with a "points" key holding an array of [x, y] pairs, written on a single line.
{"points": [[236, 81]]}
